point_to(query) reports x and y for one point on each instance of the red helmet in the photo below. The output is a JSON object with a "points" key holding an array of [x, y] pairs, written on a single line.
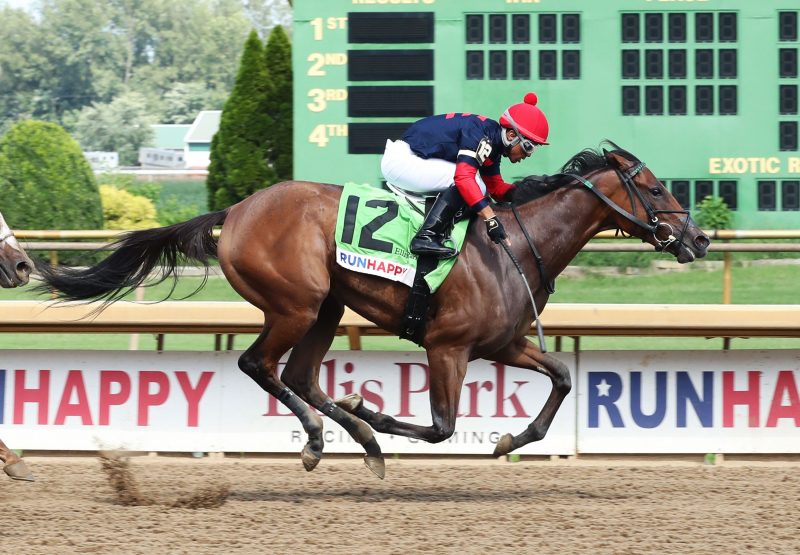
{"points": [[527, 119]]}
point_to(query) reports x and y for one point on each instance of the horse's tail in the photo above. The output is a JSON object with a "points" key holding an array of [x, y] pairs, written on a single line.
{"points": [[135, 256]]}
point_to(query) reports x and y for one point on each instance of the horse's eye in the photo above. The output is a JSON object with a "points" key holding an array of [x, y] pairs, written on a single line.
{"points": [[656, 191]]}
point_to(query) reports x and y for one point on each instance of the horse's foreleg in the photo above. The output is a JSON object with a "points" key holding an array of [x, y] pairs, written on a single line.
{"points": [[14, 466], [301, 374], [447, 370], [524, 354], [260, 362]]}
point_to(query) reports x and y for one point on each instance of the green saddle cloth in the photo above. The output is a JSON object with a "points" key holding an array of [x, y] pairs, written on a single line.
{"points": [[373, 231]]}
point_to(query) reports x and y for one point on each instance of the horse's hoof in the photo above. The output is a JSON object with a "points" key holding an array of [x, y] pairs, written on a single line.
{"points": [[310, 460], [376, 465], [19, 471], [350, 403], [504, 445]]}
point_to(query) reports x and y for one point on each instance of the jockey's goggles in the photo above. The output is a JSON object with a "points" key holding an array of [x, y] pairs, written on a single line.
{"points": [[527, 145]]}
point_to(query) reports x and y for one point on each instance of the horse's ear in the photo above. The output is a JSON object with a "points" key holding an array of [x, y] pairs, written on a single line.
{"points": [[616, 160]]}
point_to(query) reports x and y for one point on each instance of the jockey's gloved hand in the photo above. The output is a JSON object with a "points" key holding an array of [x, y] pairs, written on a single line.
{"points": [[495, 229]]}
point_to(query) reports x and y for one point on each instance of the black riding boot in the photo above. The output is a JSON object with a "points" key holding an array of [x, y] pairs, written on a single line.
{"points": [[436, 228]]}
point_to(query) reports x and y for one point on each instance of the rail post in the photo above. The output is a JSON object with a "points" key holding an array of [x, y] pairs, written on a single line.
{"points": [[726, 277]]}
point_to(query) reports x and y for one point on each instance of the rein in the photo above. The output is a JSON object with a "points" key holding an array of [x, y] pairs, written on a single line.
{"points": [[653, 226], [539, 331]]}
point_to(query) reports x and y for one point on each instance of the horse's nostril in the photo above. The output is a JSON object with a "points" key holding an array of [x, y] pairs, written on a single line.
{"points": [[702, 242], [23, 269]]}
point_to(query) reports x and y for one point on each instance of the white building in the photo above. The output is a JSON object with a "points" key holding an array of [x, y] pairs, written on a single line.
{"points": [[197, 143], [100, 160], [160, 158]]}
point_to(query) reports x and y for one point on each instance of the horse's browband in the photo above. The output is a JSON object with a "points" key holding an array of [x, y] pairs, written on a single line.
{"points": [[633, 171]]}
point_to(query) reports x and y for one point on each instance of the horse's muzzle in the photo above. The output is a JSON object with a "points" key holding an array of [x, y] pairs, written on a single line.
{"points": [[701, 243], [689, 251], [14, 273]]}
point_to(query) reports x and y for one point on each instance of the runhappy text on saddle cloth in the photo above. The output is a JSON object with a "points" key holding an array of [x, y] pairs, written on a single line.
{"points": [[373, 231]]}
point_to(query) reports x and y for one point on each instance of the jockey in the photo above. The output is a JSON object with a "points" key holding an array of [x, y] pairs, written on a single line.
{"points": [[458, 155]]}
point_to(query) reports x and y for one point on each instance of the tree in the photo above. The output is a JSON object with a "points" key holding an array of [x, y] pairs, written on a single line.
{"points": [[279, 104], [26, 69], [198, 41], [218, 195], [45, 181], [123, 125], [70, 54], [239, 150], [184, 101], [265, 14], [713, 213]]}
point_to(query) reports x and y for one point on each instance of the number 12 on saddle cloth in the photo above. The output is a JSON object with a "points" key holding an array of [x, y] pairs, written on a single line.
{"points": [[373, 230]]}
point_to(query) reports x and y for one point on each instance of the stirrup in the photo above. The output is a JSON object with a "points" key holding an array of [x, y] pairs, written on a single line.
{"points": [[429, 247]]}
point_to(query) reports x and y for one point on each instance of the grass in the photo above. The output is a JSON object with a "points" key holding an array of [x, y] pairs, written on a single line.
{"points": [[183, 192], [750, 285]]}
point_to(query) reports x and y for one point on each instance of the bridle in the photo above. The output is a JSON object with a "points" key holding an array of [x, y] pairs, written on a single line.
{"points": [[653, 226]]}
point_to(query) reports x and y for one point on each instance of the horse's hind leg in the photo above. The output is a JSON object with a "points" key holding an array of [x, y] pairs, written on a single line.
{"points": [[260, 362], [286, 274], [14, 466], [448, 366], [524, 354], [301, 374]]}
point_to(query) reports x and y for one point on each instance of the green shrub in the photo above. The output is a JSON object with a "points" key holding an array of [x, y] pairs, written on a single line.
{"points": [[126, 182], [45, 181], [175, 200], [124, 210], [150, 191], [172, 211], [713, 213]]}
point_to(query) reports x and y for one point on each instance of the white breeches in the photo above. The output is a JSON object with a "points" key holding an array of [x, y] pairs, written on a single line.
{"points": [[404, 169]]}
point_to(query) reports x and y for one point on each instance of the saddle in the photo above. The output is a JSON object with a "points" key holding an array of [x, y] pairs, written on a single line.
{"points": [[418, 201]]}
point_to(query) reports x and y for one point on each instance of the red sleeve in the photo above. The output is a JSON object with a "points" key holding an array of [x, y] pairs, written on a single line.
{"points": [[467, 185], [496, 187]]}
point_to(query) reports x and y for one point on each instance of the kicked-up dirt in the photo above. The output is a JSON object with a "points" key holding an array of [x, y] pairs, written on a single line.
{"points": [[166, 505]]}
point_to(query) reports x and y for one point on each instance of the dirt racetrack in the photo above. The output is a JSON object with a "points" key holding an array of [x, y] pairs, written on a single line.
{"points": [[423, 506]]}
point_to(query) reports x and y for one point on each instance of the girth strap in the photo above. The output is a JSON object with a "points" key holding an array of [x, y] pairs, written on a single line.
{"points": [[413, 326]]}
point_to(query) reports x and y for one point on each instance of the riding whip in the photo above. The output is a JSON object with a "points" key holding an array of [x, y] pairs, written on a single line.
{"points": [[539, 331]]}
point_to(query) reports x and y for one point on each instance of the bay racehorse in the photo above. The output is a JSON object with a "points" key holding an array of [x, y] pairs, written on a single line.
{"points": [[277, 249], [15, 269]]}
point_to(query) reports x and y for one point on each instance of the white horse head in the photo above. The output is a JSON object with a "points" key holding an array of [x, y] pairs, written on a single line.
{"points": [[15, 266]]}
